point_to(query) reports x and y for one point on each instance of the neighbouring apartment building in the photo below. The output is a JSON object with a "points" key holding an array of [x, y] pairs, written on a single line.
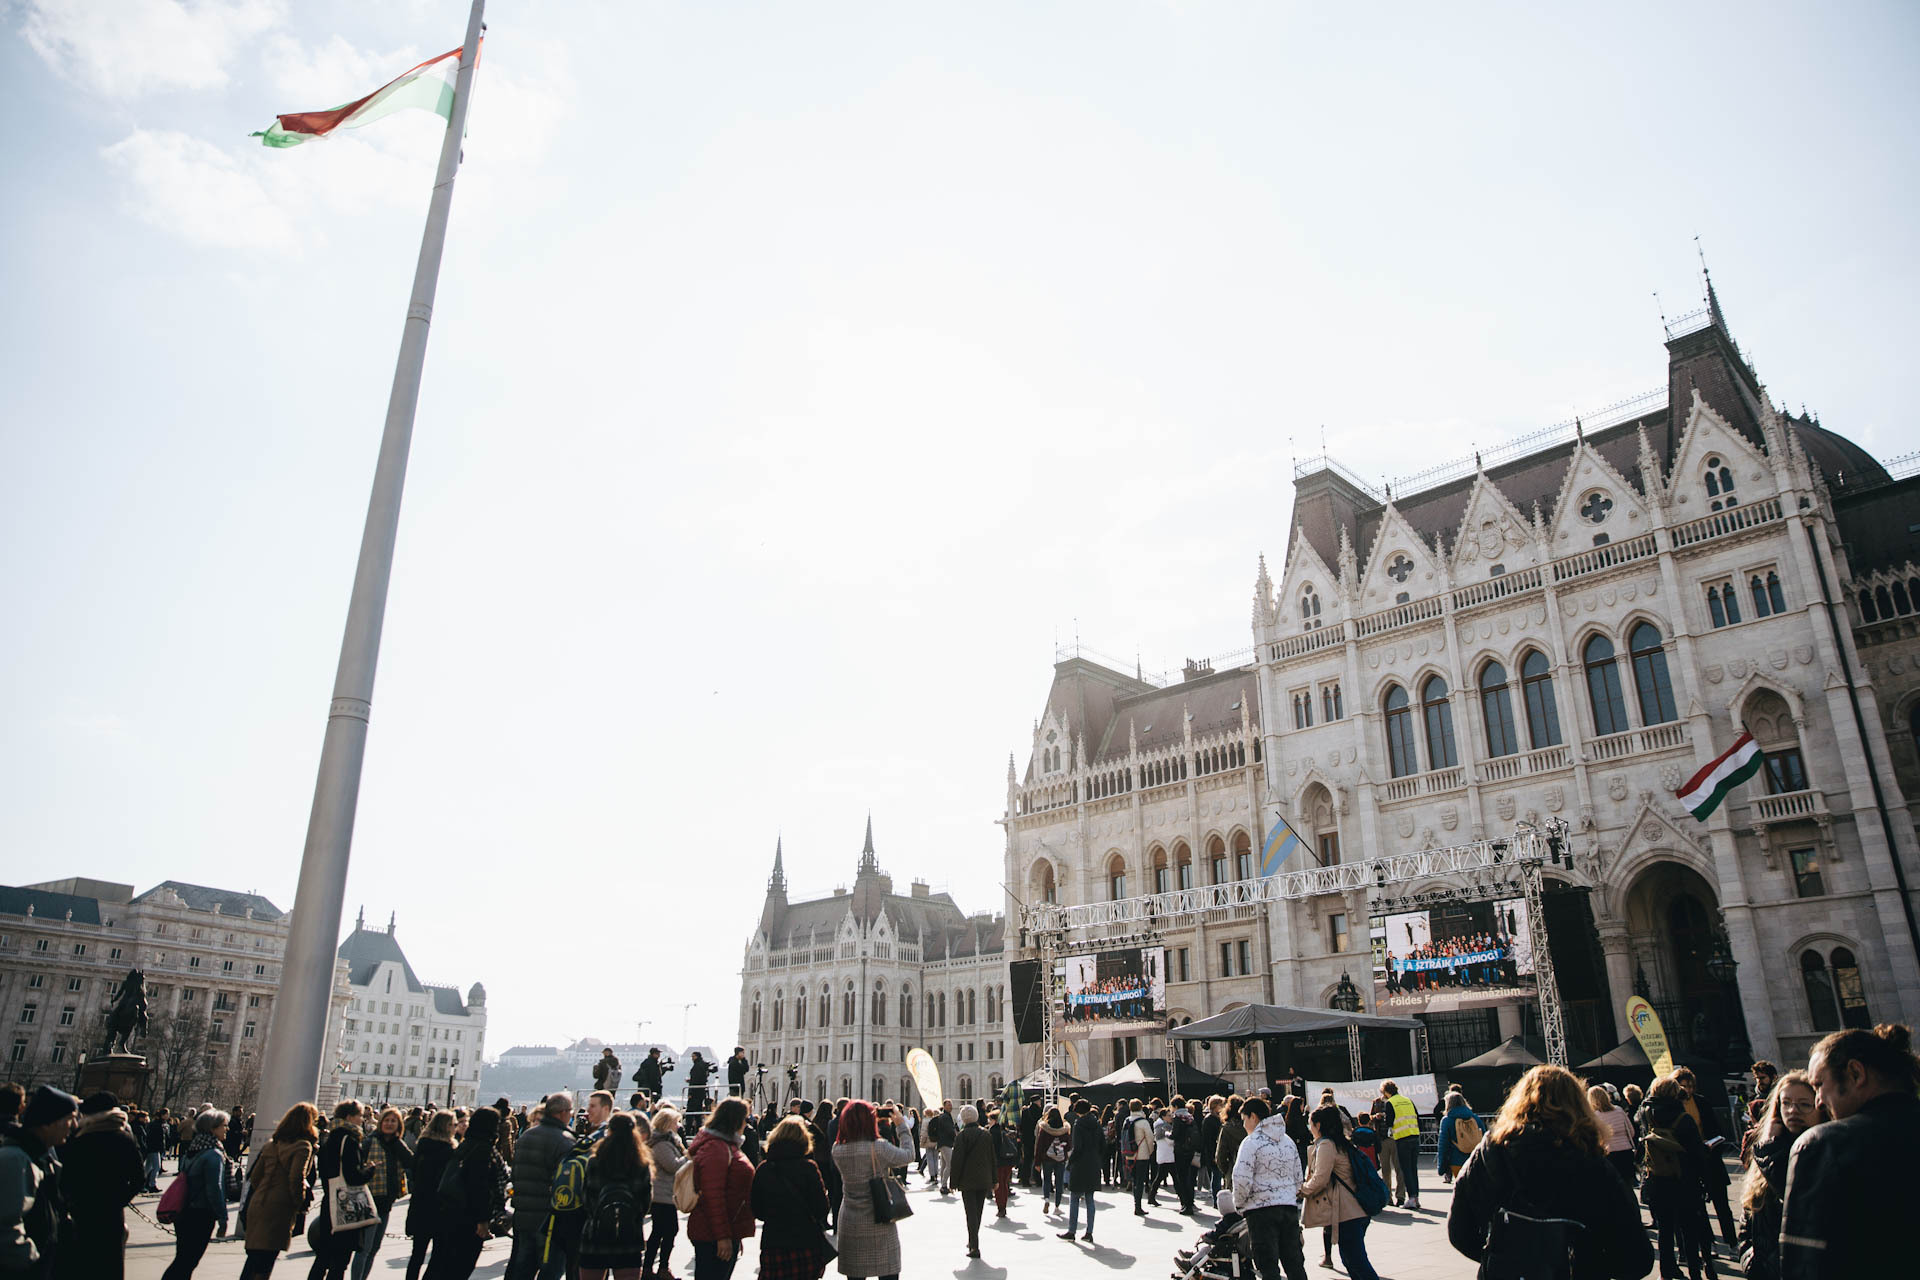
{"points": [[405, 1041]]}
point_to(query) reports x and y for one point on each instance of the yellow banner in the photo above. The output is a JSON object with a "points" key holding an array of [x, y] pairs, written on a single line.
{"points": [[1652, 1036], [926, 1078]]}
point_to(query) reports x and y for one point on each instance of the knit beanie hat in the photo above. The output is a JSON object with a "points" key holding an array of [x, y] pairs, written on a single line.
{"points": [[47, 1105]]}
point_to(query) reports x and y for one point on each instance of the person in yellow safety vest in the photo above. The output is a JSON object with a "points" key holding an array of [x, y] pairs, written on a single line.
{"points": [[1406, 1141]]}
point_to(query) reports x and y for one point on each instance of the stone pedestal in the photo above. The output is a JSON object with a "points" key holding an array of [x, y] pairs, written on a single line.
{"points": [[125, 1075]]}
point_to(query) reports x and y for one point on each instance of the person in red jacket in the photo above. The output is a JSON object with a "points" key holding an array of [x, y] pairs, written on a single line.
{"points": [[723, 1176]]}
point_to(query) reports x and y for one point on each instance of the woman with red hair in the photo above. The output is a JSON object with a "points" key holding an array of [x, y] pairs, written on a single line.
{"points": [[868, 1247]]}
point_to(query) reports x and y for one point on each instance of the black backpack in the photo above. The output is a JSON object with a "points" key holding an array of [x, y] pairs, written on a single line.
{"points": [[1520, 1246], [614, 1222], [450, 1198]]}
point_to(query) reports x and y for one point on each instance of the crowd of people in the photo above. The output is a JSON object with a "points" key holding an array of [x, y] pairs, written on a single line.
{"points": [[1472, 960], [604, 1194], [1125, 997]]}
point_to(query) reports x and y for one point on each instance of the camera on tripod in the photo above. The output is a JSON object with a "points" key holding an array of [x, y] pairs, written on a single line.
{"points": [[761, 1069]]}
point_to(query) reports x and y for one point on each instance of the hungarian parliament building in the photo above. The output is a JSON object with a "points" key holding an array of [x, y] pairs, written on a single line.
{"points": [[1565, 628]]}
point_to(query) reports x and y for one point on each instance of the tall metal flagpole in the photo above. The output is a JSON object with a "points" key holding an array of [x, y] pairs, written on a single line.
{"points": [[298, 1032]]}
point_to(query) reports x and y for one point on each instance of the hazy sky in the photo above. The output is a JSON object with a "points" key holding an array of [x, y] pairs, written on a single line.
{"points": [[800, 375]]}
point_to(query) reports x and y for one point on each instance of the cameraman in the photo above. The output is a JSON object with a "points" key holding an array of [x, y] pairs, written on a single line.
{"points": [[646, 1077], [697, 1075], [737, 1072]]}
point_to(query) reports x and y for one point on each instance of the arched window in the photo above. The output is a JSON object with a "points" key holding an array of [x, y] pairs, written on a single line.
{"points": [[973, 1008], [1496, 709], [1162, 873], [1901, 600], [1049, 889], [1852, 993], [779, 1009], [1821, 1004], [1603, 687], [1217, 855], [906, 1005], [1242, 856], [800, 1009], [943, 1008], [1182, 867], [1439, 716], [826, 1007], [1650, 673], [1401, 756], [966, 1085], [846, 1086], [1867, 613], [1543, 716], [877, 1010], [753, 1017], [1720, 484], [1116, 878], [849, 1005], [1309, 609], [1767, 599]]}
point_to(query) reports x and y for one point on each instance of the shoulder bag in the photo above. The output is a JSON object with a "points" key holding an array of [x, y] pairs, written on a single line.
{"points": [[888, 1196]]}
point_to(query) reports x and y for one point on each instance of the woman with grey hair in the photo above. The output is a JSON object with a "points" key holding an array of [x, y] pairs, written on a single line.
{"points": [[204, 1167]]}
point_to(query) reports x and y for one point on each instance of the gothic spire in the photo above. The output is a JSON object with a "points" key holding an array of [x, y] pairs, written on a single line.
{"points": [[868, 862], [777, 882]]}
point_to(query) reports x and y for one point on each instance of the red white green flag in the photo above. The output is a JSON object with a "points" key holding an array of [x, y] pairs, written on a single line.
{"points": [[428, 86], [1706, 789]]}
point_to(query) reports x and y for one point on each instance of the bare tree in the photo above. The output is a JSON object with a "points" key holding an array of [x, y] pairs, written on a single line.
{"points": [[181, 1058], [240, 1086]]}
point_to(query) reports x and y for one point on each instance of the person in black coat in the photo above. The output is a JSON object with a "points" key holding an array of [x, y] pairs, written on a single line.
{"points": [[101, 1172], [790, 1198], [1545, 1156], [430, 1159], [1086, 1159], [466, 1219], [342, 1155]]}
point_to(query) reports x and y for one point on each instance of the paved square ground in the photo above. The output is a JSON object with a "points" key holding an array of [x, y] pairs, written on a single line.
{"points": [[1403, 1245]]}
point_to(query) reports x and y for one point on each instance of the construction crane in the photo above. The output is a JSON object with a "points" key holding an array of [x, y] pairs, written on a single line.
{"points": [[1058, 930]]}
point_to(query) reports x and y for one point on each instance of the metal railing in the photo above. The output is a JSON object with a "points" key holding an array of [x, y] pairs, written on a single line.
{"points": [[1732, 520]]}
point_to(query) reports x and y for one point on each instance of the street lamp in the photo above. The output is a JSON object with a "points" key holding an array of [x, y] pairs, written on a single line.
{"points": [[1346, 996], [453, 1067]]}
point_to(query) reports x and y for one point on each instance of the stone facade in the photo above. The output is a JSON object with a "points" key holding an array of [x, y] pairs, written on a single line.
{"points": [[211, 958], [402, 1040], [844, 985], [1570, 632]]}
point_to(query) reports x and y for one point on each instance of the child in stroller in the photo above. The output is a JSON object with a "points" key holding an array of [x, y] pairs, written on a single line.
{"points": [[1223, 1253]]}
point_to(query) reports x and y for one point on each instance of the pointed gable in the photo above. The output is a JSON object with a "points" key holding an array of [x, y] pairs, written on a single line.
{"points": [[1596, 505], [1716, 466], [1310, 592], [1399, 561], [1492, 534]]}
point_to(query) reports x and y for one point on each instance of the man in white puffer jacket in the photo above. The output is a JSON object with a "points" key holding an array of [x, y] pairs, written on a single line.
{"points": [[1266, 1189]]}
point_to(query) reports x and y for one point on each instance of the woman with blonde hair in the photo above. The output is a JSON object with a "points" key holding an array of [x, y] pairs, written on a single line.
{"points": [[1543, 1162], [668, 1153], [1619, 1128], [1788, 1111]]}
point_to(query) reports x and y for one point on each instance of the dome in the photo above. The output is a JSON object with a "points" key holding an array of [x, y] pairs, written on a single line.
{"points": [[476, 995]]}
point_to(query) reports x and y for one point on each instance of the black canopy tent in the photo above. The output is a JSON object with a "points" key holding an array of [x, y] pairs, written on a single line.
{"points": [[1046, 1079], [1486, 1080], [1318, 1043], [1624, 1064]]}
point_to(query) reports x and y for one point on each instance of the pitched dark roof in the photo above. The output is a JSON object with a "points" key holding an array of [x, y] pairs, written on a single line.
{"points": [[231, 902], [524, 1050], [447, 1000], [49, 906], [1881, 526], [365, 950], [1158, 716]]}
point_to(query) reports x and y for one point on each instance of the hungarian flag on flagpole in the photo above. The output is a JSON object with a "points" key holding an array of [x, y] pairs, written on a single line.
{"points": [[1706, 789], [428, 86]]}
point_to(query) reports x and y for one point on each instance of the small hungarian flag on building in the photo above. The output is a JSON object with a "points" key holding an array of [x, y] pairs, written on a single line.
{"points": [[1706, 789], [428, 86]]}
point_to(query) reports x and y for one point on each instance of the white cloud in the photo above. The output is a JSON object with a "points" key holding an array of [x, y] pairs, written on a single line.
{"points": [[124, 48], [197, 191]]}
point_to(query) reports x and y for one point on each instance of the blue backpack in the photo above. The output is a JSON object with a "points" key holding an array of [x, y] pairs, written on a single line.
{"points": [[1368, 1187]]}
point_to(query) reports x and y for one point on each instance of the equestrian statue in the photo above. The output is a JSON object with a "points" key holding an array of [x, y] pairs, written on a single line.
{"points": [[128, 1016]]}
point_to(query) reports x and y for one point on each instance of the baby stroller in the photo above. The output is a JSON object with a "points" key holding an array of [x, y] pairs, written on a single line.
{"points": [[1223, 1253]]}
